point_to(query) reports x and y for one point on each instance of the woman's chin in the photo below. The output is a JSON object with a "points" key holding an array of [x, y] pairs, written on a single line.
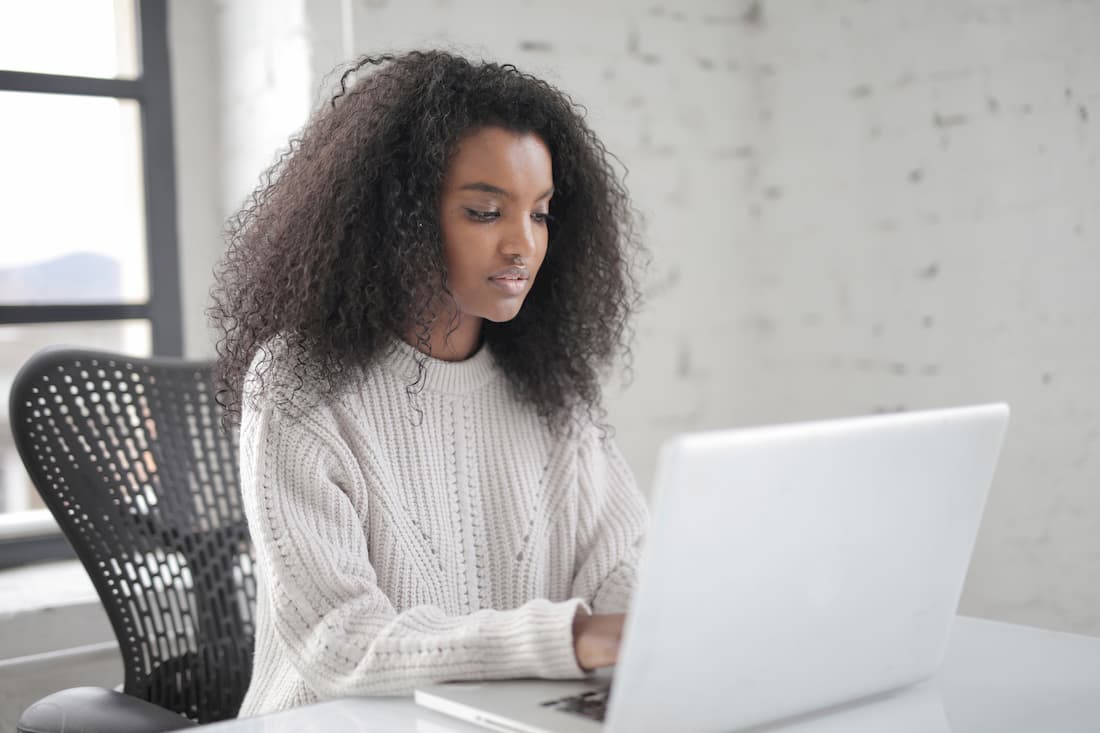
{"points": [[503, 313]]}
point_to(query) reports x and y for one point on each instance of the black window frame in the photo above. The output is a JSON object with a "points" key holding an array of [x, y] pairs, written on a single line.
{"points": [[152, 90]]}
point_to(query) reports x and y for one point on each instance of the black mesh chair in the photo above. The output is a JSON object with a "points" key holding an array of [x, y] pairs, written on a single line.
{"points": [[129, 457]]}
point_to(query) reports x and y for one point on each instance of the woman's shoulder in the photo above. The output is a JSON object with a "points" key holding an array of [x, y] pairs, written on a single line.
{"points": [[279, 370], [286, 373], [594, 437], [581, 431]]}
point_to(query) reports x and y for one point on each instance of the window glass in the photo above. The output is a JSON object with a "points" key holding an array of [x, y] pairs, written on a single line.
{"points": [[73, 229], [71, 37]]}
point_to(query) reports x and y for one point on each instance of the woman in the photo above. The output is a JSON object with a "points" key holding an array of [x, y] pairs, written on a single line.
{"points": [[414, 314]]}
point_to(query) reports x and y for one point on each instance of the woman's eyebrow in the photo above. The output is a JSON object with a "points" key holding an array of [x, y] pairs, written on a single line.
{"points": [[497, 190]]}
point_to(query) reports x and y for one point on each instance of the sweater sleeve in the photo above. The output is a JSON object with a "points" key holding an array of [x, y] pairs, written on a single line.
{"points": [[306, 501], [612, 526]]}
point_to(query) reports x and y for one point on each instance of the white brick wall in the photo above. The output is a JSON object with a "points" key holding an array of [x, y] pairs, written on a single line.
{"points": [[852, 207], [926, 234], [265, 83]]}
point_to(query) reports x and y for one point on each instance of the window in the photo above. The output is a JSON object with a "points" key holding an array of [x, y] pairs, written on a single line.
{"points": [[88, 253]]}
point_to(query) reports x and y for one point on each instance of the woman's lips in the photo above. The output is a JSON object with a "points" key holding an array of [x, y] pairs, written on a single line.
{"points": [[510, 285], [512, 280]]}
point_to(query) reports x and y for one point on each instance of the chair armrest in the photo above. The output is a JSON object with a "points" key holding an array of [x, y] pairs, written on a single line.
{"points": [[96, 710]]}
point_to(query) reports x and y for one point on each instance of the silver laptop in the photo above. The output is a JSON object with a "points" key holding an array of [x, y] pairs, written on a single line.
{"points": [[787, 569]]}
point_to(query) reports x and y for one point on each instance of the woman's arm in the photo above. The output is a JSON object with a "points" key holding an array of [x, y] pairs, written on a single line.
{"points": [[612, 524]]}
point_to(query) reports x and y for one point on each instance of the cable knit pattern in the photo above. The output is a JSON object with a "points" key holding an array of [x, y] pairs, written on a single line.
{"points": [[444, 536]]}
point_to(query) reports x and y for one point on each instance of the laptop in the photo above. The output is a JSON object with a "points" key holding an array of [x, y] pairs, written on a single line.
{"points": [[787, 569]]}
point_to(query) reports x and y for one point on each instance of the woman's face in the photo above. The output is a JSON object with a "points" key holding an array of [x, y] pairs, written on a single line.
{"points": [[493, 214]]}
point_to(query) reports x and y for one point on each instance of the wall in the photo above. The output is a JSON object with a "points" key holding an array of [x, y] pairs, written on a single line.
{"points": [[196, 73], [241, 86], [851, 208], [917, 225], [54, 634]]}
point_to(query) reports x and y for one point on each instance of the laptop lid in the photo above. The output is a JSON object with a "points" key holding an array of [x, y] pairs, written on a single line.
{"points": [[794, 567]]}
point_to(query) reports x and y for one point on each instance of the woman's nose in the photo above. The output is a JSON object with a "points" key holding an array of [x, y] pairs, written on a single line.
{"points": [[520, 239]]}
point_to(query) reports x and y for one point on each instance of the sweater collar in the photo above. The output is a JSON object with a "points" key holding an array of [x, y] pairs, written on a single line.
{"points": [[447, 377]]}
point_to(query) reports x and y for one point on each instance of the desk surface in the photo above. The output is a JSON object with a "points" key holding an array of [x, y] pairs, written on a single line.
{"points": [[996, 678]]}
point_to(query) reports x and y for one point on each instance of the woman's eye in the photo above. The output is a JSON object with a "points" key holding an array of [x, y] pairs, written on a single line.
{"points": [[542, 218], [478, 215]]}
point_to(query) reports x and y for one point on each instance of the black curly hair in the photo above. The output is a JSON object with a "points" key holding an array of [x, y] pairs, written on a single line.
{"points": [[323, 253]]}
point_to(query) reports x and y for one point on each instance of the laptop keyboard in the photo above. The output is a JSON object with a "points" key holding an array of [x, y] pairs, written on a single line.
{"points": [[591, 704]]}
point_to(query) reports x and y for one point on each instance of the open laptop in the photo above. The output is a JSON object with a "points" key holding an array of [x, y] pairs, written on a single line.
{"points": [[787, 569]]}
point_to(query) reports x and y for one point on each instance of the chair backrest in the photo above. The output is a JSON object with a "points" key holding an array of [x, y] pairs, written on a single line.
{"points": [[129, 456]]}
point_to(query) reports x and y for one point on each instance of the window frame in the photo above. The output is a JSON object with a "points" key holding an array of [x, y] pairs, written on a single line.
{"points": [[152, 90]]}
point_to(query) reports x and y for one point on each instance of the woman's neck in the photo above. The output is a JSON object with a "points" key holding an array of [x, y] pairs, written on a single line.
{"points": [[450, 340]]}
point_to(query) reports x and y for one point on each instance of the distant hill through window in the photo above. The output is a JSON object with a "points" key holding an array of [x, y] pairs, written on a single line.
{"points": [[81, 277]]}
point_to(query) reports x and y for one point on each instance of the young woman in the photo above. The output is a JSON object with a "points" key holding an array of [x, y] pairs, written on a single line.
{"points": [[415, 311]]}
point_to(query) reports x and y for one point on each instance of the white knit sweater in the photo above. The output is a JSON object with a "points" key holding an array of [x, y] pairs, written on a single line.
{"points": [[448, 537]]}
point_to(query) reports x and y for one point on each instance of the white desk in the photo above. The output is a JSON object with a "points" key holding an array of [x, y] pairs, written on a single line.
{"points": [[997, 678]]}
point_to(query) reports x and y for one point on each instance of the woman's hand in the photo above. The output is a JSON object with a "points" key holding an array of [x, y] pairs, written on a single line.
{"points": [[596, 639]]}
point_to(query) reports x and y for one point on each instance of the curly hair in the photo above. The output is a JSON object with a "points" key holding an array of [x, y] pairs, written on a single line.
{"points": [[323, 254]]}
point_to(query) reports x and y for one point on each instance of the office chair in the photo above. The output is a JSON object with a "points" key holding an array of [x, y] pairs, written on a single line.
{"points": [[129, 456]]}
